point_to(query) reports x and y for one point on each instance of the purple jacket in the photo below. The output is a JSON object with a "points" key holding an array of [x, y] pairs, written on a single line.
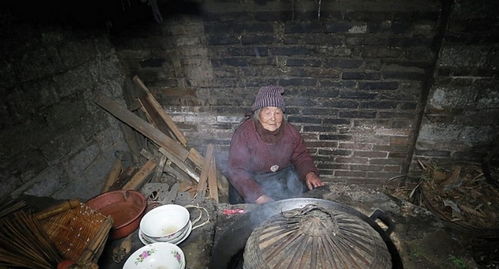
{"points": [[249, 154]]}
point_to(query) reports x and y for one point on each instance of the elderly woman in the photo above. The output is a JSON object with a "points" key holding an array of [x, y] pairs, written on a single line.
{"points": [[268, 159]]}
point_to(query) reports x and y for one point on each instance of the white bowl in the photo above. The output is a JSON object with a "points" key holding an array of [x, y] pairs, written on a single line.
{"points": [[156, 255], [166, 222], [146, 240]]}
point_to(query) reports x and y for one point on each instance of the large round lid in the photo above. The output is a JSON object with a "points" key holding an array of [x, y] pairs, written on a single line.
{"points": [[316, 238]]}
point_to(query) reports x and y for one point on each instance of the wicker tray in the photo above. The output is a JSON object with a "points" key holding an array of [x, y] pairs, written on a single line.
{"points": [[78, 232]]}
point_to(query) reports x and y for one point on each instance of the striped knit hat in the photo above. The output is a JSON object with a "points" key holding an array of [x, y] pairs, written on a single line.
{"points": [[269, 96]]}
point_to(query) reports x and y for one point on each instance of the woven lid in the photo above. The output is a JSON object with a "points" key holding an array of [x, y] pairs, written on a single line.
{"points": [[315, 237]]}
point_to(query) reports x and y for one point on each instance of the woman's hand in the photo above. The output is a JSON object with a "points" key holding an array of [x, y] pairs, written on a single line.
{"points": [[263, 199], [313, 181]]}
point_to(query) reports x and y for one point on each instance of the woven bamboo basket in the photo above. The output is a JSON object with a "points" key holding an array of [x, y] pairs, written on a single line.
{"points": [[78, 232]]}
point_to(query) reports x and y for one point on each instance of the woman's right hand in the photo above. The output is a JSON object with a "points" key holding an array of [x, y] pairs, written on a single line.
{"points": [[263, 199]]}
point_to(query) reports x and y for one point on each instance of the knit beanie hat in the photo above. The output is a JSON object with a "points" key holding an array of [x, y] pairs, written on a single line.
{"points": [[269, 96]]}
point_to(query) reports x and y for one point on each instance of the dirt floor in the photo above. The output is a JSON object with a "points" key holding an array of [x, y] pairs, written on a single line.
{"points": [[422, 238]]}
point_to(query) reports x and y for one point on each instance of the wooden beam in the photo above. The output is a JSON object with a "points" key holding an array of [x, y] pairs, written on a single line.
{"points": [[203, 178], [136, 181], [143, 127], [161, 112]]}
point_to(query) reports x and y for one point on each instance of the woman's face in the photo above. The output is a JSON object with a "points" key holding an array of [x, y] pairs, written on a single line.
{"points": [[271, 118]]}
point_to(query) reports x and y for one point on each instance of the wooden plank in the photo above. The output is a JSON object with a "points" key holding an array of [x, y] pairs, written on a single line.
{"points": [[143, 109], [196, 157], [159, 169], [223, 187], [212, 180], [167, 119], [189, 171], [161, 112], [146, 154], [203, 178], [113, 175], [139, 177], [154, 117], [143, 127], [174, 172]]}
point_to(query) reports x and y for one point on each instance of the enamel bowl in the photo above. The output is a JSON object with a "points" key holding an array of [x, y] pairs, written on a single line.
{"points": [[165, 223], [156, 255]]}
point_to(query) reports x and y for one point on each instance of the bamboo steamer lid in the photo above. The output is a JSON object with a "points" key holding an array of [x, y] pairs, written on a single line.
{"points": [[316, 238]]}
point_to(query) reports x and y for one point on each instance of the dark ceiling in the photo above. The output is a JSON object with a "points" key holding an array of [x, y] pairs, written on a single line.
{"points": [[94, 13]]}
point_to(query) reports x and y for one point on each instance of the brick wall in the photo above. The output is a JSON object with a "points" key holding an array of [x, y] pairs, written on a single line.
{"points": [[55, 141], [461, 119], [354, 73]]}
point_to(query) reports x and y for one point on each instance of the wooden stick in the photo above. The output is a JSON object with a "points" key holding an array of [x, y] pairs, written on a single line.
{"points": [[189, 171], [154, 117], [113, 175], [159, 169], [90, 252], [163, 115], [140, 176], [195, 157], [178, 175], [56, 209], [204, 171], [212, 180]]}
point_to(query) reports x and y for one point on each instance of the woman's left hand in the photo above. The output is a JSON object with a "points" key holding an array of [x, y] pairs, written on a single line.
{"points": [[313, 181]]}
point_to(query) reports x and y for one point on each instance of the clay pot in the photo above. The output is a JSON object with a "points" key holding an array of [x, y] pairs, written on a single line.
{"points": [[126, 207]]}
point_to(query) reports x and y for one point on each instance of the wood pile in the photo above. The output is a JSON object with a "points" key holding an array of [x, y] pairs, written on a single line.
{"points": [[168, 159], [460, 194]]}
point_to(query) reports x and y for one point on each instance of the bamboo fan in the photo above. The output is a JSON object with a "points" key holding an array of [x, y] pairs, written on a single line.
{"points": [[24, 244]]}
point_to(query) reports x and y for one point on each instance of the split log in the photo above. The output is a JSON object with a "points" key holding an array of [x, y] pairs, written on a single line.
{"points": [[203, 178], [185, 187], [153, 117], [181, 177], [139, 178], [143, 127], [195, 157], [212, 180], [56, 209], [160, 111], [183, 166], [159, 170]]}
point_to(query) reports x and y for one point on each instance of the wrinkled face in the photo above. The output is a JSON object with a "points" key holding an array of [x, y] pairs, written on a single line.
{"points": [[271, 118]]}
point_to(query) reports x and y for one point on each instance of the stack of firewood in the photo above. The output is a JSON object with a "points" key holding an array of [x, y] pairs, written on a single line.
{"points": [[168, 153]]}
